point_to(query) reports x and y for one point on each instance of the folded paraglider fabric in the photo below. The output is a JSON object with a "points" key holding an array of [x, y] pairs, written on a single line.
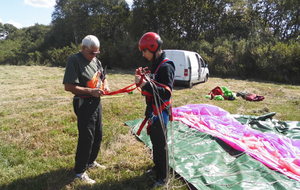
{"points": [[277, 152], [207, 162]]}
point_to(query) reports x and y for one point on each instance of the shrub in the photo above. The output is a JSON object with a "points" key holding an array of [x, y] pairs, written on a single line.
{"points": [[58, 57]]}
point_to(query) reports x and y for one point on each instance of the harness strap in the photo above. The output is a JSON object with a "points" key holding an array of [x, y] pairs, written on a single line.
{"points": [[165, 60], [156, 110], [134, 86], [129, 88], [163, 85], [142, 125]]}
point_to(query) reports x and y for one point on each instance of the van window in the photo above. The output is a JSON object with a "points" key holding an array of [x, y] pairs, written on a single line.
{"points": [[202, 62], [198, 58], [194, 59]]}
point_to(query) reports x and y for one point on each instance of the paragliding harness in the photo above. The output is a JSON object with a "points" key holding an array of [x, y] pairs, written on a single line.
{"points": [[221, 93], [216, 91], [157, 110]]}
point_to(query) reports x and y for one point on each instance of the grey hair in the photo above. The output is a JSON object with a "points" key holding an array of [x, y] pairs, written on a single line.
{"points": [[90, 41]]}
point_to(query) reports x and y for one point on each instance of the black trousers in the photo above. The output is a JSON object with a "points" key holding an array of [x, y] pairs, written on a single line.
{"points": [[160, 149], [89, 123]]}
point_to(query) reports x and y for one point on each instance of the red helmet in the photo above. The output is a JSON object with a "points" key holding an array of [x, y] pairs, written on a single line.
{"points": [[150, 41]]}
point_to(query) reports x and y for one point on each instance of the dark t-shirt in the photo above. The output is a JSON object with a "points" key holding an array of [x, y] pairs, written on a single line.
{"points": [[82, 72]]}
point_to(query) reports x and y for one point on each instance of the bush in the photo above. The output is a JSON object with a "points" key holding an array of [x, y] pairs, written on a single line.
{"points": [[35, 58], [279, 62], [223, 63], [58, 57], [9, 51]]}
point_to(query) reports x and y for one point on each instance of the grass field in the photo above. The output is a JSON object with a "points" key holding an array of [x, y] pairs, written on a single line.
{"points": [[38, 132]]}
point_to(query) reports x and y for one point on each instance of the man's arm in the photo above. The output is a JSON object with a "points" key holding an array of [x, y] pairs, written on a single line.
{"points": [[78, 90]]}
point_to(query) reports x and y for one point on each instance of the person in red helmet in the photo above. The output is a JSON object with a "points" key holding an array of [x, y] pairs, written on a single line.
{"points": [[157, 90]]}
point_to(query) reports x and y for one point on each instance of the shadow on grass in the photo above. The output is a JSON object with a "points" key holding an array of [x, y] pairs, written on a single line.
{"points": [[143, 182], [135, 183], [64, 179], [51, 180]]}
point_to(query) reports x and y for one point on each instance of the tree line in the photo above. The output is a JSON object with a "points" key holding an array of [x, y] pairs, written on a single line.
{"points": [[237, 38]]}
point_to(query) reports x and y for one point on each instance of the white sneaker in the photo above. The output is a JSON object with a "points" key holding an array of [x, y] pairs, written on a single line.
{"points": [[85, 178], [96, 165]]}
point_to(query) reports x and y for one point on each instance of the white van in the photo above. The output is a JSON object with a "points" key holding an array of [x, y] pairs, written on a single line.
{"points": [[190, 68]]}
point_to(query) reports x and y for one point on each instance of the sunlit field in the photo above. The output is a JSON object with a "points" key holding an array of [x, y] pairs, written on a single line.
{"points": [[38, 132]]}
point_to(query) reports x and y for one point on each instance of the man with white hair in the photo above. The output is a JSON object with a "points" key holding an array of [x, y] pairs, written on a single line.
{"points": [[85, 78]]}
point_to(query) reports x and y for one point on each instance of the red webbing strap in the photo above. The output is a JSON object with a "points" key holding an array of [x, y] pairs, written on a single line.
{"points": [[129, 89], [157, 111], [158, 84], [171, 114], [123, 90], [165, 60], [163, 85], [142, 126], [146, 93]]}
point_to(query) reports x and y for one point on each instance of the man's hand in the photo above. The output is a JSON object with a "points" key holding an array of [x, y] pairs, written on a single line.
{"points": [[96, 92], [106, 88]]}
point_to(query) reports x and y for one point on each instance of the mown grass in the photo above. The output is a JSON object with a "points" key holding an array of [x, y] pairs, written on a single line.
{"points": [[38, 132]]}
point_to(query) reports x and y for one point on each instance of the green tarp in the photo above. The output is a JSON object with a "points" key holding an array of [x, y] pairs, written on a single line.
{"points": [[208, 163], [265, 123]]}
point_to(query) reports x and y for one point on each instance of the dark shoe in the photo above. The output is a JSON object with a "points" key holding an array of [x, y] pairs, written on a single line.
{"points": [[159, 183]]}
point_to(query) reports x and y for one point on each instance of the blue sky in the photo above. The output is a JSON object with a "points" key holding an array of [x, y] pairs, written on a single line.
{"points": [[24, 13]]}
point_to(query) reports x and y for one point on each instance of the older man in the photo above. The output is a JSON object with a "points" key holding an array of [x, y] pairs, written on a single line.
{"points": [[85, 78]]}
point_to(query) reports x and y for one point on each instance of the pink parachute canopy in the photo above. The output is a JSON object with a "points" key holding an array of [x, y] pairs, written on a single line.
{"points": [[275, 151]]}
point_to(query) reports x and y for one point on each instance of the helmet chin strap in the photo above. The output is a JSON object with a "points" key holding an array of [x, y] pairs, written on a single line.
{"points": [[154, 55]]}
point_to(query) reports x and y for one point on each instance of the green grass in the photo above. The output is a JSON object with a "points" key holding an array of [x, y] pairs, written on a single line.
{"points": [[38, 132]]}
